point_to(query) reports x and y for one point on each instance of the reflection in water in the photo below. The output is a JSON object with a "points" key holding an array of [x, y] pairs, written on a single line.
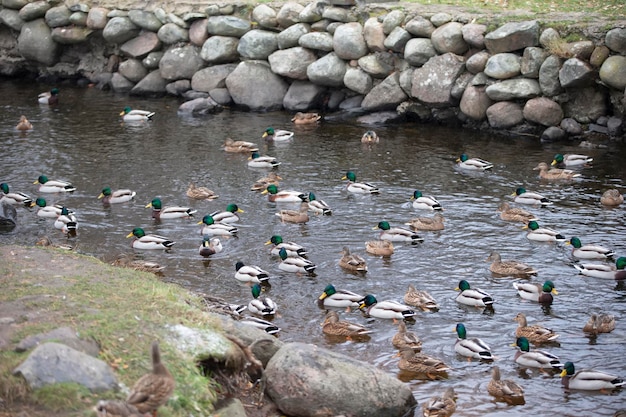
{"points": [[82, 140]]}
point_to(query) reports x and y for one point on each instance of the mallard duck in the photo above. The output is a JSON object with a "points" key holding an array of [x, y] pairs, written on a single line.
{"points": [[149, 241], [332, 326], [24, 125], [227, 216], [385, 309], [422, 202], [370, 137], [211, 228], [397, 234], [210, 246], [301, 118], [379, 247], [600, 323], [571, 160], [16, 198], [358, 187], [352, 262], [535, 333], [420, 298], [284, 196], [153, 389], [473, 164], [603, 271], [257, 161], [332, 297], [66, 222], [116, 408], [47, 242], [536, 292], [440, 405], [319, 206], [200, 193], [53, 186], [509, 268], [266, 326], [50, 212], [534, 358], [118, 196], [262, 306], [505, 389], [262, 183], [250, 273], [295, 264], [542, 234], [239, 146], [292, 249], [295, 216], [547, 173], [522, 196], [472, 296], [515, 214], [126, 261], [432, 224], [612, 198], [581, 251], [130, 115], [49, 97], [588, 379], [471, 348], [420, 363], [277, 135], [404, 339], [171, 212]]}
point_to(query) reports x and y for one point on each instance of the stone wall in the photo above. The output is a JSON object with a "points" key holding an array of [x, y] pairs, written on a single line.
{"points": [[437, 67]]}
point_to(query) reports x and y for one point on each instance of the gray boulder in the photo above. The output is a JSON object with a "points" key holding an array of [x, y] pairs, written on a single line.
{"points": [[613, 72], [253, 85], [396, 41], [78, 19], [289, 37], [420, 27], [221, 96], [152, 85], [449, 38], [11, 18], [292, 63], [549, 37], [257, 44], [513, 36], [477, 62], [97, 18], [349, 42], [34, 10], [199, 106], [549, 76], [504, 114], [543, 111], [142, 45], [35, 43], [198, 33], [265, 16], [145, 20], [339, 15], [289, 14], [228, 26], [303, 95], [440, 19], [502, 66], [599, 55], [576, 73], [329, 71], [180, 62], [586, 104], [71, 35], [357, 80], [171, 33], [377, 65], [178, 87], [119, 30], [211, 77], [220, 50], [121, 84], [132, 70], [385, 96], [552, 134], [474, 35], [392, 20], [151, 61], [571, 127], [514, 89], [321, 41], [532, 60], [8, 216], [312, 12], [475, 102], [374, 35], [58, 16], [64, 334], [432, 83], [418, 51], [615, 40]]}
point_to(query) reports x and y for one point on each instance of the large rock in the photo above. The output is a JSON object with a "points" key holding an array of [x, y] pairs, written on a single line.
{"points": [[119, 30], [357, 80], [211, 77], [329, 71], [303, 95], [171, 33], [586, 105], [502, 66], [289, 37], [513, 36], [576, 73], [34, 10], [475, 102], [349, 42], [374, 35], [432, 83], [549, 76], [515, 89], [449, 38], [253, 85], [392, 20], [385, 95], [199, 106], [613, 72], [220, 50], [58, 16], [543, 111], [292, 63], [180, 62], [35, 43], [152, 85], [289, 14], [265, 16], [228, 26], [97, 18], [418, 51], [504, 114], [198, 32], [378, 65], [532, 60], [71, 35], [321, 41], [132, 70], [615, 40], [477, 62], [145, 20], [420, 27], [474, 35], [142, 45], [11, 18], [397, 40], [257, 44], [8, 216], [305, 380]]}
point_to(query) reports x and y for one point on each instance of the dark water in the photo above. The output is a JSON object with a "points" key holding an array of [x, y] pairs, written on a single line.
{"points": [[82, 140]]}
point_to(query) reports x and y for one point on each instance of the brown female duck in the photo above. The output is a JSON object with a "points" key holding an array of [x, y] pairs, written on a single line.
{"points": [[153, 389]]}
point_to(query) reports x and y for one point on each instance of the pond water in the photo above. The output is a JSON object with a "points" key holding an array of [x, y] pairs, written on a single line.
{"points": [[83, 140]]}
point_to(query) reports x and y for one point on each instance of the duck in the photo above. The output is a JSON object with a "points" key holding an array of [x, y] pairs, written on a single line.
{"points": [[509, 268], [588, 379], [114, 197], [153, 389], [66, 222], [267, 326], [443, 405], [472, 296], [540, 293], [403, 339], [47, 242], [295, 216], [15, 198], [211, 228], [570, 160], [581, 251], [295, 264], [277, 135], [339, 298], [420, 299], [422, 202], [505, 389], [261, 306], [471, 348], [420, 363], [515, 214], [522, 196], [227, 216], [257, 161], [547, 173], [370, 137], [200, 193], [210, 246], [239, 146], [50, 212], [611, 198], [473, 164], [385, 309], [397, 234], [132, 115], [171, 212], [352, 262], [23, 125], [116, 408], [604, 271], [599, 323], [431, 224], [319, 206], [542, 234], [301, 118], [534, 358], [53, 186], [292, 249], [381, 247], [333, 326], [284, 196], [49, 97], [250, 273], [359, 187], [262, 183], [535, 333], [128, 261], [149, 241]]}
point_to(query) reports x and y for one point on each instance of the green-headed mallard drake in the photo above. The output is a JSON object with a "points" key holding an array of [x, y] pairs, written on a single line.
{"points": [[256, 160], [510, 268], [49, 97], [472, 296], [118, 196], [599, 323], [534, 333], [170, 212], [570, 160], [379, 247], [443, 405], [211, 228], [522, 196], [284, 196], [23, 125], [239, 146], [420, 363], [370, 137], [15, 198], [534, 358], [133, 115], [506, 390], [352, 262], [515, 214], [431, 224], [403, 339], [262, 183], [471, 348], [332, 297], [397, 234], [423, 202], [333, 326], [53, 186], [267, 326], [293, 249], [385, 309], [295, 216], [604, 271], [420, 299], [50, 212], [210, 246], [301, 118], [581, 251], [126, 261], [277, 135], [295, 264], [358, 187], [66, 222], [227, 216], [153, 389], [116, 408], [473, 164], [319, 206], [611, 198], [547, 173], [540, 293], [250, 273], [261, 306], [588, 379], [200, 193], [542, 234], [149, 241]]}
